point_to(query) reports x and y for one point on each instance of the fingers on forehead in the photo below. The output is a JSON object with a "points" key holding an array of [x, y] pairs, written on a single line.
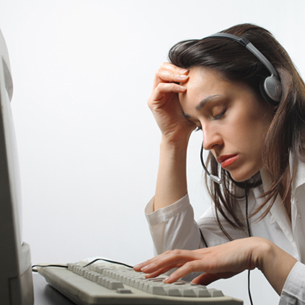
{"points": [[171, 67]]}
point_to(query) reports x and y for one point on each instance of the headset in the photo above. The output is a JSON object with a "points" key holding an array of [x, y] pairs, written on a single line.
{"points": [[271, 87]]}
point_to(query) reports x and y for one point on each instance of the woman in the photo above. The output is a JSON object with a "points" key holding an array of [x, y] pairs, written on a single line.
{"points": [[255, 142]]}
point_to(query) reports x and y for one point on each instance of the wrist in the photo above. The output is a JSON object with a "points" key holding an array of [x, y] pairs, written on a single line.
{"points": [[262, 252], [274, 263], [174, 152], [174, 144]]}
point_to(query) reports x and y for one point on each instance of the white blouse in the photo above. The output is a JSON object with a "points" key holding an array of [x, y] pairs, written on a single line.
{"points": [[174, 227]]}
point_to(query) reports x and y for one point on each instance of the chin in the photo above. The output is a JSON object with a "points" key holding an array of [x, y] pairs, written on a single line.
{"points": [[239, 179], [242, 176]]}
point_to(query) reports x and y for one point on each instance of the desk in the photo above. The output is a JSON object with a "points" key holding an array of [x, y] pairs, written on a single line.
{"points": [[44, 294]]}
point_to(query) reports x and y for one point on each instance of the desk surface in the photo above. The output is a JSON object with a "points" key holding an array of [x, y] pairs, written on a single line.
{"points": [[46, 295]]}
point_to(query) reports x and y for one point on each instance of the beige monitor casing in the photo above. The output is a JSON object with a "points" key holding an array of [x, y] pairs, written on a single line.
{"points": [[16, 282]]}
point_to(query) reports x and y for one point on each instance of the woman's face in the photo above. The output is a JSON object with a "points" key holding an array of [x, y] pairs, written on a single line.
{"points": [[232, 117]]}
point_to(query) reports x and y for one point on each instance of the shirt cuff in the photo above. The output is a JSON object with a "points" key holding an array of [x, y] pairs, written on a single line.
{"points": [[294, 288], [163, 214]]}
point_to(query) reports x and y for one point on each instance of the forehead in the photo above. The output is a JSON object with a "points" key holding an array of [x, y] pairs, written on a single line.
{"points": [[200, 75], [205, 83], [202, 83]]}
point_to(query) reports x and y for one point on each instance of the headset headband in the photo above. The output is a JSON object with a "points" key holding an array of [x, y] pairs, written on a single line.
{"points": [[272, 84]]}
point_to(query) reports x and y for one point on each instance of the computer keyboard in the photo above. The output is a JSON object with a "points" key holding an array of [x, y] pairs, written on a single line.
{"points": [[104, 283]]}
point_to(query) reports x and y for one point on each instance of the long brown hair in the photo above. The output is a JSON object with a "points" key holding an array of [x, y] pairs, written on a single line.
{"points": [[286, 133]]}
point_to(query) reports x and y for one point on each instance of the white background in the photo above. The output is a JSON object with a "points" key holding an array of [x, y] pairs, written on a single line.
{"points": [[88, 144]]}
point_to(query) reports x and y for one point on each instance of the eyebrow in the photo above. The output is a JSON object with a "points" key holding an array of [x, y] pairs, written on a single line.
{"points": [[203, 103], [206, 100]]}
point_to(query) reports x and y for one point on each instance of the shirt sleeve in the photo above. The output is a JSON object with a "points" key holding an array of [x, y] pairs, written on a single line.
{"points": [[173, 227], [293, 292]]}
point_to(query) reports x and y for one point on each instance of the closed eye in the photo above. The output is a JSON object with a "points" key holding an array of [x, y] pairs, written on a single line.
{"points": [[218, 116]]}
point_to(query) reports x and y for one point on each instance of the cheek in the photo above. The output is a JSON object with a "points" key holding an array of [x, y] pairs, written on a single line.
{"points": [[239, 126], [246, 132]]}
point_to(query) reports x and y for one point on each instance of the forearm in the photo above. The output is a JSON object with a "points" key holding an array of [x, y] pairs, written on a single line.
{"points": [[171, 181]]}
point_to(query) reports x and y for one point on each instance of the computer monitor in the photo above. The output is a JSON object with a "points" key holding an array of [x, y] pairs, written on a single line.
{"points": [[16, 282]]}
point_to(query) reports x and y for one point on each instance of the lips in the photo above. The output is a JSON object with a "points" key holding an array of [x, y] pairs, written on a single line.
{"points": [[227, 160]]}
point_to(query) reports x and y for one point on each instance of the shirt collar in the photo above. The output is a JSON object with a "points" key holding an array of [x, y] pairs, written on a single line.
{"points": [[297, 169], [278, 210]]}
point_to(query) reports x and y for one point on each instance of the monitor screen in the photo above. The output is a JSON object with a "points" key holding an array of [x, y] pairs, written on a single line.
{"points": [[16, 283]]}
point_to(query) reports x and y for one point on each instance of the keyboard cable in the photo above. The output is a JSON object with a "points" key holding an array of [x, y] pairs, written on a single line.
{"points": [[249, 233]]}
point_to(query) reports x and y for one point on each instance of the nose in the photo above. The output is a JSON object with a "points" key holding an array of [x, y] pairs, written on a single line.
{"points": [[211, 137]]}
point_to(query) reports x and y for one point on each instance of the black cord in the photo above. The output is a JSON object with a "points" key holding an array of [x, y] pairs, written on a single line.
{"points": [[65, 266], [249, 290], [202, 162], [203, 239], [249, 232], [41, 266], [247, 214], [108, 261]]}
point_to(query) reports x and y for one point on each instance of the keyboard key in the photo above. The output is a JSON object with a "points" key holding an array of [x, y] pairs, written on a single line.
{"points": [[215, 293], [113, 285], [123, 291], [187, 292], [201, 292], [174, 292], [158, 290]]}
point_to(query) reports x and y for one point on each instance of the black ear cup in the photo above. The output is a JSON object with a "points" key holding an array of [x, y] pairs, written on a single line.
{"points": [[264, 93], [273, 89]]}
